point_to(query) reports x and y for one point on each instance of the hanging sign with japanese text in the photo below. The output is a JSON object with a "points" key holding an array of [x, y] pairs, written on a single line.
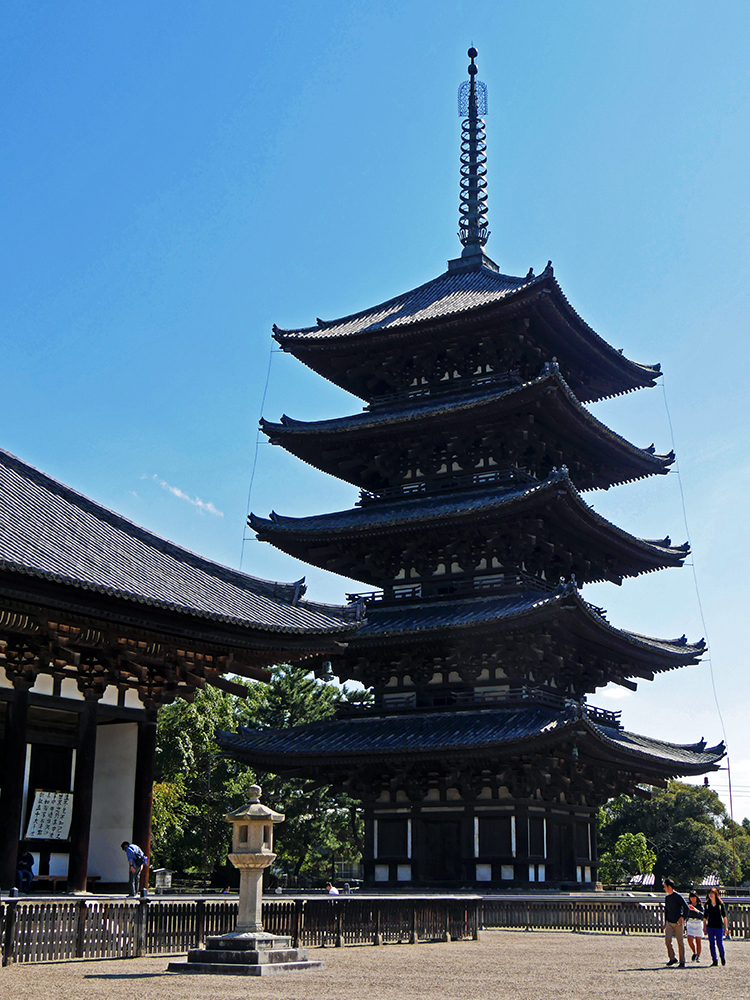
{"points": [[50, 816]]}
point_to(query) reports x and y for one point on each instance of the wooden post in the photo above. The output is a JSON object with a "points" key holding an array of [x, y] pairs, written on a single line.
{"points": [[141, 925], [413, 927], [143, 796], [83, 795], [14, 764], [80, 945], [378, 937], [298, 904], [10, 926], [338, 920], [200, 923], [447, 934]]}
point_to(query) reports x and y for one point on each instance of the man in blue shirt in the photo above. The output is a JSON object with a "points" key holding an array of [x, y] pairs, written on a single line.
{"points": [[675, 913], [136, 860]]}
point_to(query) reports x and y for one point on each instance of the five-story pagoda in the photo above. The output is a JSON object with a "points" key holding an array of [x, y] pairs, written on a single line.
{"points": [[480, 760]]}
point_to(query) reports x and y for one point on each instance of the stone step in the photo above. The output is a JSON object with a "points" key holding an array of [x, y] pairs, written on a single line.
{"points": [[214, 955], [231, 969], [247, 942]]}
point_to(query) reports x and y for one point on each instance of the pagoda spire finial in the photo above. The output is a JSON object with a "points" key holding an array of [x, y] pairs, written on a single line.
{"points": [[472, 105], [472, 218]]}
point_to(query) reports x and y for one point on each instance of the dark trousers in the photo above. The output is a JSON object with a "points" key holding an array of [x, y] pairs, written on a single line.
{"points": [[135, 880], [24, 879], [716, 940]]}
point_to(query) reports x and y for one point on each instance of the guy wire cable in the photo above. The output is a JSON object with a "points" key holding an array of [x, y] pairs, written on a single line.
{"points": [[703, 621], [255, 456]]}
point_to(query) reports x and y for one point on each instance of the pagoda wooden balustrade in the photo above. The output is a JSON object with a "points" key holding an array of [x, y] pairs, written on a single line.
{"points": [[54, 930], [446, 386], [478, 696], [500, 583], [445, 484]]}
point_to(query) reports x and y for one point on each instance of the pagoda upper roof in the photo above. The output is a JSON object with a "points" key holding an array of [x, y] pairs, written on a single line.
{"points": [[344, 744], [298, 535], [469, 294], [424, 620], [400, 422], [49, 532]]}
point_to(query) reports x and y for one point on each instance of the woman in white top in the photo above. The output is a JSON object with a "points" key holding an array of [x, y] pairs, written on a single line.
{"points": [[695, 926]]}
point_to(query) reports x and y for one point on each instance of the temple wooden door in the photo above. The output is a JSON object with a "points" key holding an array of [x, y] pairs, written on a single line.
{"points": [[440, 850]]}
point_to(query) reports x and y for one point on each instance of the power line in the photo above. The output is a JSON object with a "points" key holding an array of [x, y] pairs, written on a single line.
{"points": [[703, 620], [255, 456]]}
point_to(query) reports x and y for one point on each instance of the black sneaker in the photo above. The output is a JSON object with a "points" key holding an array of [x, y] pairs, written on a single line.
{"points": [[672, 961], [714, 962], [723, 960], [694, 958], [681, 965]]}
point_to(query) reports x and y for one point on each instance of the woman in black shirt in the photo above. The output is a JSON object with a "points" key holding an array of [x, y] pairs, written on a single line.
{"points": [[715, 917]]}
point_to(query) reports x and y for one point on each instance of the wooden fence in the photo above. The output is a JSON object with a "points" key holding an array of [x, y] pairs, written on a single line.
{"points": [[53, 930], [623, 916]]}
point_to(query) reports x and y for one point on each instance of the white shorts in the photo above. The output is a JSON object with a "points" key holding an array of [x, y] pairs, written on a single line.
{"points": [[695, 928]]}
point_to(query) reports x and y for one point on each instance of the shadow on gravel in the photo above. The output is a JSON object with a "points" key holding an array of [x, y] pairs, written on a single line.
{"points": [[124, 975]]}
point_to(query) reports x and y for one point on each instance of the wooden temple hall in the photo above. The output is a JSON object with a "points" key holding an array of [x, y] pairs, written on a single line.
{"points": [[481, 760], [102, 623]]}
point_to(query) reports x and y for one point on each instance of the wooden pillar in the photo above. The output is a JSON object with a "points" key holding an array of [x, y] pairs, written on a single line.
{"points": [[143, 798], [13, 767], [83, 794]]}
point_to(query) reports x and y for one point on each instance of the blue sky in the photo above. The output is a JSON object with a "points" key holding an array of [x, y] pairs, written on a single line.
{"points": [[176, 177]]}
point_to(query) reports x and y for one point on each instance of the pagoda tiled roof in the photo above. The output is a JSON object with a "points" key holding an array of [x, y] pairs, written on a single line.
{"points": [[423, 620], [462, 295], [50, 532], [448, 294], [348, 742], [399, 419], [448, 509]]}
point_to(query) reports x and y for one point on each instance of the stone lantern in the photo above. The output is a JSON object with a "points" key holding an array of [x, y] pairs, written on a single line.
{"points": [[252, 852], [248, 950]]}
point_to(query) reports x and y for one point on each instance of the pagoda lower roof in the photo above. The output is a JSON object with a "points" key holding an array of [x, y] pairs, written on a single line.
{"points": [[463, 295], [344, 744], [53, 535], [424, 621], [401, 422], [489, 504]]}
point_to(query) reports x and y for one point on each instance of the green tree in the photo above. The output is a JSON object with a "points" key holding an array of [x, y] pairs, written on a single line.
{"points": [[196, 786], [684, 825], [321, 825], [630, 855]]}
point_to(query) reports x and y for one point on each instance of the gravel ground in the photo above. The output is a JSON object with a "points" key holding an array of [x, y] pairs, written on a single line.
{"points": [[511, 964]]}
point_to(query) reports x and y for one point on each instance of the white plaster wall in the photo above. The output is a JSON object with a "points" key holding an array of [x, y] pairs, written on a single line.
{"points": [[112, 809], [4, 682]]}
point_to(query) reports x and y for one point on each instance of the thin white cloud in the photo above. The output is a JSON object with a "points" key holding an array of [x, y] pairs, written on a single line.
{"points": [[614, 691], [200, 505]]}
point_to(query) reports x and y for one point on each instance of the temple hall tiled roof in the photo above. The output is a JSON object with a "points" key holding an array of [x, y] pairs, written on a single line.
{"points": [[49, 531]]}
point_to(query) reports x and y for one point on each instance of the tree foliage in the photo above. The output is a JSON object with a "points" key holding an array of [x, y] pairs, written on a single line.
{"points": [[195, 786], [630, 855], [687, 829]]}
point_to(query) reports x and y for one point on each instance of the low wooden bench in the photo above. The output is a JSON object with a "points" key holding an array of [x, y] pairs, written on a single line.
{"points": [[52, 880]]}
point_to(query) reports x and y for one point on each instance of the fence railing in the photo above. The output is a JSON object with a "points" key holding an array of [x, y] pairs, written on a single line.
{"points": [[629, 916], [53, 930]]}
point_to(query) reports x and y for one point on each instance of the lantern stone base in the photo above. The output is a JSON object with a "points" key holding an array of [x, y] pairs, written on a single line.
{"points": [[252, 954]]}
